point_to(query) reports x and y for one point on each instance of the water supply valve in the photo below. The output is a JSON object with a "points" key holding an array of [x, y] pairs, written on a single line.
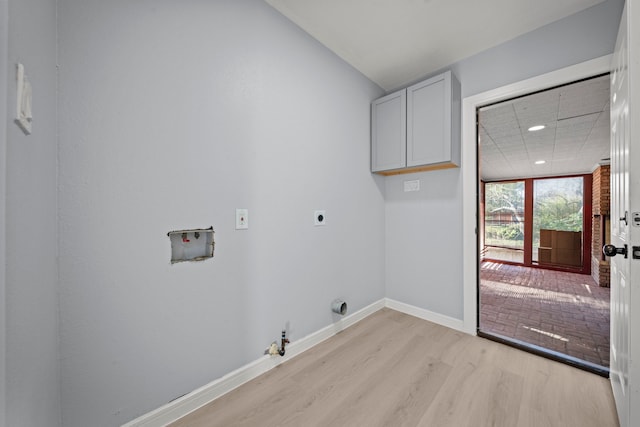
{"points": [[273, 349], [284, 341]]}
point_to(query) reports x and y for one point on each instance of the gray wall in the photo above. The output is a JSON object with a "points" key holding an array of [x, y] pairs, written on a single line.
{"points": [[172, 115], [585, 35], [29, 194], [424, 229]]}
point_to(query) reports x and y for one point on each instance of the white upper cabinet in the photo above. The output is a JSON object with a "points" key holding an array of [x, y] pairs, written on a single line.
{"points": [[417, 128], [388, 132]]}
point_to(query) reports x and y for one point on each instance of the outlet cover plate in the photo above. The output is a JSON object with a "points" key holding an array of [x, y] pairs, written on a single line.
{"points": [[320, 218], [242, 219], [412, 185]]}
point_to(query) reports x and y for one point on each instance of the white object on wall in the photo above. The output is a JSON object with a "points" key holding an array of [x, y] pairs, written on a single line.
{"points": [[320, 218], [242, 219], [24, 115], [412, 185]]}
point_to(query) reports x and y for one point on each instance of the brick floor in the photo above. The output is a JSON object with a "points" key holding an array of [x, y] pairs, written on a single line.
{"points": [[564, 312]]}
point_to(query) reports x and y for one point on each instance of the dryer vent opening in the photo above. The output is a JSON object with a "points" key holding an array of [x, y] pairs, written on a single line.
{"points": [[339, 307]]}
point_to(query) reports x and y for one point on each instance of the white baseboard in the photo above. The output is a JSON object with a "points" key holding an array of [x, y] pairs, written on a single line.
{"points": [[411, 310], [182, 406]]}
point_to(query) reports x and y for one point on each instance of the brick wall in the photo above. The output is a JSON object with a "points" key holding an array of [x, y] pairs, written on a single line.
{"points": [[601, 202]]}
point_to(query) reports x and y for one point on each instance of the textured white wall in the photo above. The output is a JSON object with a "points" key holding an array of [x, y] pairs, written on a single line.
{"points": [[173, 114], [424, 259], [32, 374]]}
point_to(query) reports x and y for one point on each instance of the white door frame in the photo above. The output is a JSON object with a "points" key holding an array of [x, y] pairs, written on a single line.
{"points": [[470, 171], [4, 81]]}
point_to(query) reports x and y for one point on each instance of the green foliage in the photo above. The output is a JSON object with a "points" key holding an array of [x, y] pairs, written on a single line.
{"points": [[512, 232], [558, 204], [508, 236], [509, 195], [506, 202]]}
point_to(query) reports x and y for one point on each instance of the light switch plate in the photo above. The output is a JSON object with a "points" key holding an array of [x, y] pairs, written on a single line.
{"points": [[242, 219]]}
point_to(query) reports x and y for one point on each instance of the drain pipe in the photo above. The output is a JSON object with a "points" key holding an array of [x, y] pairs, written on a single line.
{"points": [[339, 306]]}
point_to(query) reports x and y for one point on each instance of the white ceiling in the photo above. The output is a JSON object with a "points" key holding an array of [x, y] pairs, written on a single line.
{"points": [[574, 141], [395, 42]]}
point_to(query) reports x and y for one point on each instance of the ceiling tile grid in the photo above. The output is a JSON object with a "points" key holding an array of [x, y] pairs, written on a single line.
{"points": [[575, 138]]}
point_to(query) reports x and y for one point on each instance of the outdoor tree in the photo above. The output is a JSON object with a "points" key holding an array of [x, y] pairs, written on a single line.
{"points": [[504, 214], [558, 205]]}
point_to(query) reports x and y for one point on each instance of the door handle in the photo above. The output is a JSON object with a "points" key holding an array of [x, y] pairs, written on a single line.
{"points": [[624, 218], [610, 250]]}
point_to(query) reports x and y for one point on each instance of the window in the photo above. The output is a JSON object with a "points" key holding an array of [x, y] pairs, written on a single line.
{"points": [[558, 206], [538, 221], [504, 220]]}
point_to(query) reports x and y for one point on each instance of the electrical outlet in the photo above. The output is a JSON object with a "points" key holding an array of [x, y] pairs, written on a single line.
{"points": [[242, 219], [412, 185], [320, 218]]}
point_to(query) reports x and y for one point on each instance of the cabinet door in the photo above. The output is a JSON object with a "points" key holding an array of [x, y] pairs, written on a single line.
{"points": [[429, 121], [388, 132]]}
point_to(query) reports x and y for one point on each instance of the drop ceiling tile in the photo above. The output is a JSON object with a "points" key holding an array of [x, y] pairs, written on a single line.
{"points": [[593, 148], [518, 157], [501, 132], [572, 150], [577, 131], [514, 149], [587, 121], [584, 97], [511, 146]]}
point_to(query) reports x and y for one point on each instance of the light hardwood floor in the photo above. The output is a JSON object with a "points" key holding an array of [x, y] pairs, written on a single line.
{"points": [[392, 369]]}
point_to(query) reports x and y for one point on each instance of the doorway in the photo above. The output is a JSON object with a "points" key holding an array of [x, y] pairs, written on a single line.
{"points": [[537, 154]]}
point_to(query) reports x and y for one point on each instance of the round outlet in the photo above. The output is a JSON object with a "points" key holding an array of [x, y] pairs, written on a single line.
{"points": [[319, 218]]}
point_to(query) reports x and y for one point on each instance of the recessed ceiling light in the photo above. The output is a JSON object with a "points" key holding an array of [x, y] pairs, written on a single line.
{"points": [[536, 127], [540, 162]]}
